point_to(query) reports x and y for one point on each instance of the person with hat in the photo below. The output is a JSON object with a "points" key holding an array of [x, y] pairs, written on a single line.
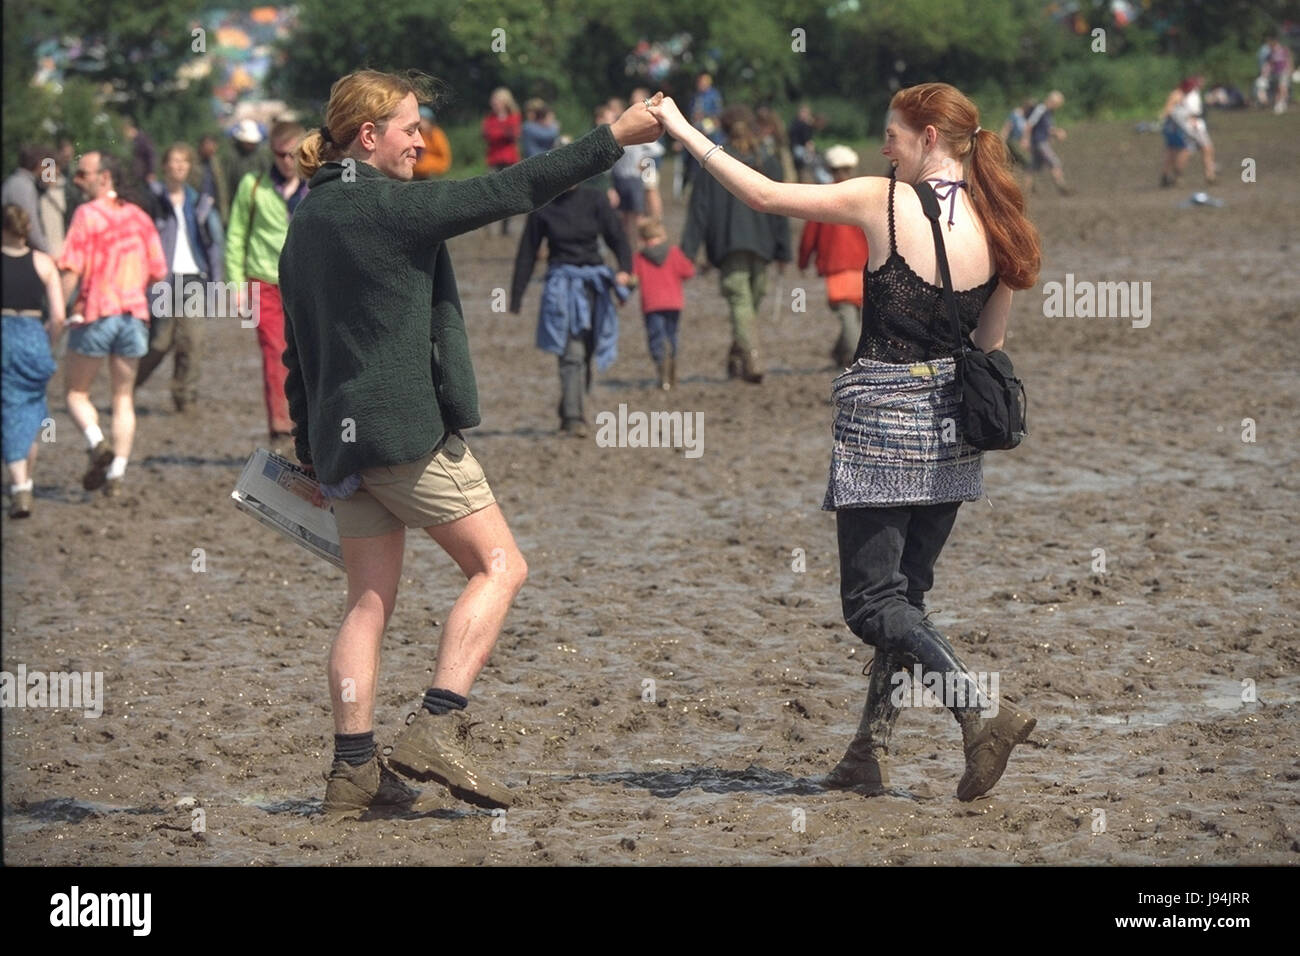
{"points": [[841, 252], [435, 158], [249, 157]]}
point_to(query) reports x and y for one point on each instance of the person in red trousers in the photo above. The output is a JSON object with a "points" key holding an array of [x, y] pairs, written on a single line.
{"points": [[259, 222]]}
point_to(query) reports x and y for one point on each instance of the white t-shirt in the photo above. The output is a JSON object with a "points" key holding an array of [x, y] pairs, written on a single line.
{"points": [[183, 261]]}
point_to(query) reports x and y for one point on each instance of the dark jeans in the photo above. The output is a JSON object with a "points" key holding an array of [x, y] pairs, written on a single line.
{"points": [[887, 558], [661, 333]]}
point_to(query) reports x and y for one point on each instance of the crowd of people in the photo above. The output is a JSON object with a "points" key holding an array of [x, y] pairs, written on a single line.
{"points": [[354, 317], [137, 243]]}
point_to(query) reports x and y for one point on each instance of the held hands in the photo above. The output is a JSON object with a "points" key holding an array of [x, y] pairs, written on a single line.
{"points": [[638, 124], [666, 111]]}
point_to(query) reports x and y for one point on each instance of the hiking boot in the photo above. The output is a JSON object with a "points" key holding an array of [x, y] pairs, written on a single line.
{"points": [[988, 743], [574, 428], [353, 790], [861, 764], [112, 487], [437, 748], [20, 504], [101, 456]]}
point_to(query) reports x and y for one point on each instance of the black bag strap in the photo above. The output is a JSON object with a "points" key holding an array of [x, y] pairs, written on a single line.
{"points": [[930, 206]]}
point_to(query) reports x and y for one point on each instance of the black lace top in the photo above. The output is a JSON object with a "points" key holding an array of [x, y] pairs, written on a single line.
{"points": [[904, 318]]}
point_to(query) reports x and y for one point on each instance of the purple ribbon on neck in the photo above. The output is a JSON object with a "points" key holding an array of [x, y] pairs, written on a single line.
{"points": [[951, 195]]}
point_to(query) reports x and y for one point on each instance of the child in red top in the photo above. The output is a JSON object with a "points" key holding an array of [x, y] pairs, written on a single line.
{"points": [[841, 257], [660, 268], [501, 131]]}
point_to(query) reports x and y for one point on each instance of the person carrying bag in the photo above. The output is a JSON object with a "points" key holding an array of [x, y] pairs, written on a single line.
{"points": [[993, 403]]}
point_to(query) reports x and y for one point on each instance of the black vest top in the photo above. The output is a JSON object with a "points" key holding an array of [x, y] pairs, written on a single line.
{"points": [[23, 288], [904, 318]]}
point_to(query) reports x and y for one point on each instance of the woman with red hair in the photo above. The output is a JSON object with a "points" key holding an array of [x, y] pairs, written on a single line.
{"points": [[898, 475]]}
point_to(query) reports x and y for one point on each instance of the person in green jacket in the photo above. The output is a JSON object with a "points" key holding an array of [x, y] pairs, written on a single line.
{"points": [[259, 222], [380, 387]]}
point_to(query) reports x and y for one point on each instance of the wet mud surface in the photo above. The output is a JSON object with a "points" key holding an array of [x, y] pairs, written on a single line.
{"points": [[649, 566]]}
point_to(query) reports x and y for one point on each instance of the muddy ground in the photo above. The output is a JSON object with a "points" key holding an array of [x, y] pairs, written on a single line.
{"points": [[647, 566]]}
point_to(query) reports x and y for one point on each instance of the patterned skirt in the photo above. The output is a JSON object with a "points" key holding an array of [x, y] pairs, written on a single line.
{"points": [[897, 440], [26, 366]]}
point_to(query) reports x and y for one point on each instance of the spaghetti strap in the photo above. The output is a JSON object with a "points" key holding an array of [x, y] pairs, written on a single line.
{"points": [[892, 250]]}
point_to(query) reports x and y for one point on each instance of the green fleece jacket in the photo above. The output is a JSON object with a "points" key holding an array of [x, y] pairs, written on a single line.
{"points": [[259, 219], [376, 350]]}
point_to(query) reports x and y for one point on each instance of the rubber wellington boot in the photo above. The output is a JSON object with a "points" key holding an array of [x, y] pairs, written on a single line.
{"points": [[735, 361], [986, 740], [861, 765], [751, 367], [668, 373]]}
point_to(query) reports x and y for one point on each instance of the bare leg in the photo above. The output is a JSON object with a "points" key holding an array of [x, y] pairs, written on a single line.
{"points": [[374, 568], [79, 374], [18, 471], [481, 543], [122, 372]]}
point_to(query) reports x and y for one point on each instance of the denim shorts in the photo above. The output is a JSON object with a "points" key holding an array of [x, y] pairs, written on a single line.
{"points": [[631, 193], [123, 335]]}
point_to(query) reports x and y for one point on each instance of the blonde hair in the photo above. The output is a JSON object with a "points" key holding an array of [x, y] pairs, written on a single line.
{"points": [[365, 96], [650, 227], [505, 94]]}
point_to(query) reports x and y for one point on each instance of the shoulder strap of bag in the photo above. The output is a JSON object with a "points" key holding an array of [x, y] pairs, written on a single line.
{"points": [[930, 206]]}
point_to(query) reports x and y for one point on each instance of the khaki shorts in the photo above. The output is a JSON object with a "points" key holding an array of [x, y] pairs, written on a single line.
{"points": [[444, 485]]}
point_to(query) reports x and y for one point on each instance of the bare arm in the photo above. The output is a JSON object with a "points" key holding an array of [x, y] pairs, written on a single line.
{"points": [[69, 283], [49, 275], [854, 202], [991, 331]]}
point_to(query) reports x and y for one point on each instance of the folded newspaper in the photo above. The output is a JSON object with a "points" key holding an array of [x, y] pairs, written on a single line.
{"points": [[279, 494]]}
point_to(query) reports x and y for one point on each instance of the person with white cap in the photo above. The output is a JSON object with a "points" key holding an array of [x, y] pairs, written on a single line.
{"points": [[249, 156], [841, 252]]}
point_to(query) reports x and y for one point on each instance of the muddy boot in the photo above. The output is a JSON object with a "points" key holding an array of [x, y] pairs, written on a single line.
{"points": [[667, 373], [735, 362], [751, 367], [861, 765], [672, 371], [437, 748], [989, 728], [351, 791]]}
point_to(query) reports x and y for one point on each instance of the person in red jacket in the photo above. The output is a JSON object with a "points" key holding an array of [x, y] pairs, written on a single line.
{"points": [[841, 256], [501, 130], [660, 269]]}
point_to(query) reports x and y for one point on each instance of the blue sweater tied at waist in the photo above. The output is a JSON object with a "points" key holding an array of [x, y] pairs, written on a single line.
{"points": [[566, 310]]}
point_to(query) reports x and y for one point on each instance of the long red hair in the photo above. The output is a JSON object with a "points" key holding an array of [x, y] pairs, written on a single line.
{"points": [[998, 200]]}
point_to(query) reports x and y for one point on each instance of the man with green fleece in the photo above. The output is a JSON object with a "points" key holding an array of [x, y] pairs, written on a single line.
{"points": [[380, 386]]}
